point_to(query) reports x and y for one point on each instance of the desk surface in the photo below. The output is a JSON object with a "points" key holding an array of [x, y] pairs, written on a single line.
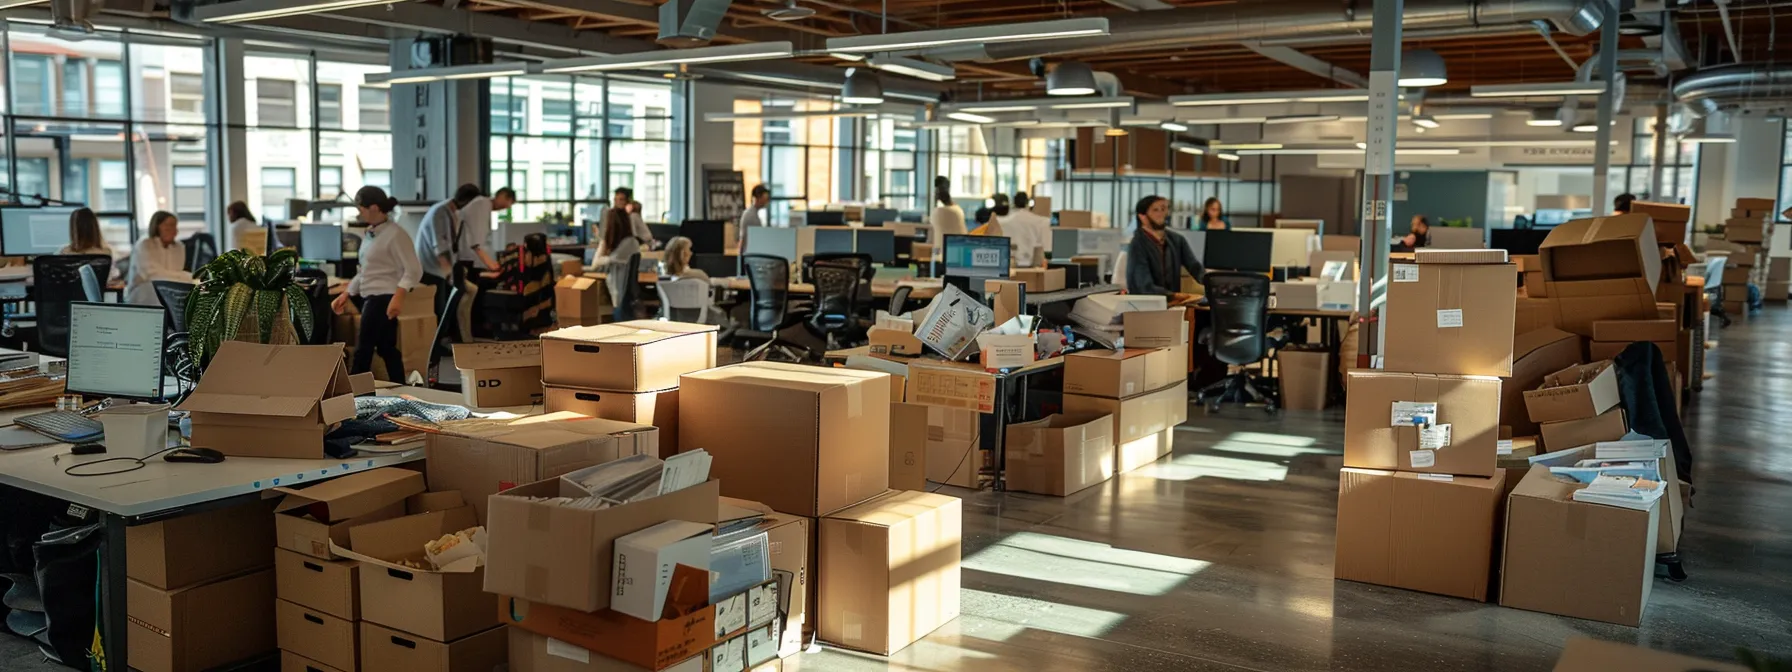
{"points": [[921, 289], [1296, 312], [935, 360]]}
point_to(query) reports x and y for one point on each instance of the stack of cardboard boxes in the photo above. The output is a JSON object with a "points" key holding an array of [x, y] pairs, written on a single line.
{"points": [[499, 374], [1779, 279], [1674, 288], [1419, 498], [1143, 386], [625, 371], [581, 302], [1748, 230], [199, 589]]}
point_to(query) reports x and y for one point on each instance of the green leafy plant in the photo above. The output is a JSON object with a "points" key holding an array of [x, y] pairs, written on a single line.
{"points": [[246, 297]]}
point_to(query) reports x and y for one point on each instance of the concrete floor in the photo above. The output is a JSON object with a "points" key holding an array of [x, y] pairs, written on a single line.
{"points": [[1219, 558]]}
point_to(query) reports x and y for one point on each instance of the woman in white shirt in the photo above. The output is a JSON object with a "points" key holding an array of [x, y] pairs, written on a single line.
{"points": [[84, 234], [244, 224], [619, 240], [389, 269], [948, 218], [157, 257]]}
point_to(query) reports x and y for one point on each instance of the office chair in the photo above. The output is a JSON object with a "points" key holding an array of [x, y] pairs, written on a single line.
{"points": [[836, 313], [202, 248], [899, 298], [90, 284], [768, 306], [316, 284], [173, 295], [57, 281], [1239, 307], [860, 263], [684, 300]]}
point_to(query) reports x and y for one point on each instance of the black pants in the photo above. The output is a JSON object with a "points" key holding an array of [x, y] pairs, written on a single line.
{"points": [[379, 334]]}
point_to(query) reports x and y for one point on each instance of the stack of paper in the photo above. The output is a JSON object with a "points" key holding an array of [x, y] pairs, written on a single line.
{"points": [[1646, 449], [1623, 491]]}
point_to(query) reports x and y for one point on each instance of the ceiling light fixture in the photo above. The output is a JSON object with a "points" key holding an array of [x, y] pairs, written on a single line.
{"points": [[967, 117], [999, 108], [1549, 89], [1425, 121], [920, 39], [912, 67], [1462, 116], [752, 51], [1115, 128], [1093, 103], [1173, 127], [1589, 125], [1420, 68], [1188, 148], [1070, 78], [14, 4], [1542, 117], [256, 10], [1271, 97], [788, 116], [1248, 145], [1299, 119], [863, 87], [420, 75], [1227, 156]]}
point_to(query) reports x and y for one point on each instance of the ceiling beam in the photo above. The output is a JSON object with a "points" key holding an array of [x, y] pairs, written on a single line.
{"points": [[1294, 58]]}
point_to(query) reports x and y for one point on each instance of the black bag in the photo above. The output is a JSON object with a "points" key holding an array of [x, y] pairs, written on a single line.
{"points": [[67, 571]]}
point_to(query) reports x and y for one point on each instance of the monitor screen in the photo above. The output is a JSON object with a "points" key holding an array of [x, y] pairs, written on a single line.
{"points": [[879, 216], [1239, 251], [33, 231], [708, 236], [1518, 241], [773, 241], [979, 256], [834, 241], [824, 218], [665, 232], [322, 242], [115, 350], [879, 243]]}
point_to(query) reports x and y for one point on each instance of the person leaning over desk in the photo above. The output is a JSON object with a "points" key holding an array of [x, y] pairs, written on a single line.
{"points": [[448, 246], [389, 270], [1156, 258]]}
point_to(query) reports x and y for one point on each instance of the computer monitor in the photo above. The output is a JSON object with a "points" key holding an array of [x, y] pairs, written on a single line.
{"points": [[1518, 241], [880, 216], [717, 265], [665, 232], [708, 236], [879, 243], [322, 242], [774, 241], [298, 208], [115, 350], [28, 232], [976, 257], [834, 241], [1239, 251], [824, 218]]}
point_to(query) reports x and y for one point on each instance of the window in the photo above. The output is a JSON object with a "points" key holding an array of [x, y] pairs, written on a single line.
{"points": [[556, 117], [1785, 171], [329, 182], [34, 176], [556, 186], [186, 95], [189, 189], [376, 109], [32, 81], [115, 186], [277, 185], [509, 113], [654, 123], [377, 178], [622, 175], [276, 103], [329, 105], [580, 142], [75, 181], [108, 89], [74, 87], [653, 190]]}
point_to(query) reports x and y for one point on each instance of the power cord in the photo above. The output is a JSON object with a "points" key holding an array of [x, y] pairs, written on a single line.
{"points": [[135, 463], [963, 459]]}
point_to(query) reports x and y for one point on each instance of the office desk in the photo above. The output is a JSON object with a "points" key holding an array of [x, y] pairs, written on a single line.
{"points": [[163, 490], [920, 289]]}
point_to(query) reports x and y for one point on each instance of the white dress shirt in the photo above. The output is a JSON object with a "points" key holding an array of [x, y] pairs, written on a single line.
{"points": [[1027, 231], [477, 215], [388, 262], [151, 261]]}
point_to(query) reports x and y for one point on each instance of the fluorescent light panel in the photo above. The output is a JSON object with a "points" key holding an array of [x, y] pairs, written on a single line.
{"points": [[1537, 90], [911, 67], [1091, 103], [806, 114], [1271, 97], [1041, 30], [1173, 127], [21, 3], [970, 118], [420, 75], [1299, 119], [240, 11], [754, 51]]}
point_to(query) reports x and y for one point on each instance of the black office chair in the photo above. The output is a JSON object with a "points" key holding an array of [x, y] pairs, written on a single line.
{"points": [[202, 248], [173, 295], [836, 313], [1239, 309], [768, 306], [899, 299], [316, 284], [90, 284], [859, 263], [56, 282]]}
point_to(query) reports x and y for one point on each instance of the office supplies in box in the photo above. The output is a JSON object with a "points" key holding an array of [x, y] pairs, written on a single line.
{"points": [[889, 570], [790, 549], [259, 400], [695, 626], [310, 519], [1009, 345], [497, 374], [424, 574], [480, 457], [952, 323], [1579, 391], [1422, 422], [1535, 355], [1418, 531], [894, 335], [634, 356], [1452, 313]]}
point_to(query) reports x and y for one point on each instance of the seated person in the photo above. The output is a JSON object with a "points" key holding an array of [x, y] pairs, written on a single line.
{"points": [[1156, 258], [1420, 235], [677, 260]]}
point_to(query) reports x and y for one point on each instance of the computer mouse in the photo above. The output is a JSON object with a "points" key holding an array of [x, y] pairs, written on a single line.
{"points": [[198, 455]]}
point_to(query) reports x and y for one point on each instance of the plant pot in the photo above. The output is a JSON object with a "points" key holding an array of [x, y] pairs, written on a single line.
{"points": [[283, 333]]}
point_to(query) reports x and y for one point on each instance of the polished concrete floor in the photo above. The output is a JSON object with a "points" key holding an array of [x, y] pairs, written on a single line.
{"points": [[1220, 558]]}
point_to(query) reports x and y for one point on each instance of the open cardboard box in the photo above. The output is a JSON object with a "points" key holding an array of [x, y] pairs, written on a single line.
{"points": [[312, 519], [399, 591], [270, 400], [482, 457], [689, 626], [1577, 392], [1601, 268], [498, 374]]}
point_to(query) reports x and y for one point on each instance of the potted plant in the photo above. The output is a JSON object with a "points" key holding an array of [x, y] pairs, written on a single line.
{"points": [[246, 297]]}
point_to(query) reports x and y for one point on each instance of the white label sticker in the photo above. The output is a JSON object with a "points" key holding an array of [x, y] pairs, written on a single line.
{"points": [[1423, 458], [1406, 272], [1504, 446], [1434, 437], [1437, 477], [762, 604], [1408, 413], [1449, 319], [568, 651]]}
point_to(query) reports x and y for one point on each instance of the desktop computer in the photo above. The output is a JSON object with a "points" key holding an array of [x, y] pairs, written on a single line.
{"points": [[26, 231], [880, 216], [665, 232], [835, 241], [976, 258], [115, 350], [1228, 250], [708, 236], [1516, 241], [320, 242], [879, 243], [824, 218]]}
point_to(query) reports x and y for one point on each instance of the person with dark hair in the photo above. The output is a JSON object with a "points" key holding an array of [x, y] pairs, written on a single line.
{"points": [[84, 234], [478, 213], [158, 256], [620, 200], [989, 217], [1156, 258], [447, 248], [1621, 204], [1420, 235], [948, 218], [389, 270], [1213, 216], [1029, 234], [756, 213], [619, 246], [243, 225]]}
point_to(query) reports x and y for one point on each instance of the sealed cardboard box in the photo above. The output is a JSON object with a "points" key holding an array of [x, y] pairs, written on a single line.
{"points": [[561, 556], [635, 356], [1059, 454], [1418, 532], [1576, 559], [1155, 328], [1735, 276], [329, 586], [309, 519], [953, 454], [1670, 219], [1040, 280], [1625, 331], [384, 648], [482, 457], [802, 439], [270, 400], [1762, 205], [581, 301], [659, 409], [1779, 269], [1115, 374], [1535, 355], [1305, 376], [1582, 654], [653, 645], [399, 591], [1135, 418], [1454, 318], [1106, 309], [908, 446], [200, 627], [316, 635], [498, 374], [292, 662], [183, 551], [889, 570], [1607, 426], [1576, 392], [1076, 219], [1381, 411], [1601, 268]]}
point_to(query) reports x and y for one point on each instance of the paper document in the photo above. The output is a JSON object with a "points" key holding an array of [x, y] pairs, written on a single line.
{"points": [[684, 470]]}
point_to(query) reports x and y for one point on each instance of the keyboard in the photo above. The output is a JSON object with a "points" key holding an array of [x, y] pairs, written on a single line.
{"points": [[66, 426]]}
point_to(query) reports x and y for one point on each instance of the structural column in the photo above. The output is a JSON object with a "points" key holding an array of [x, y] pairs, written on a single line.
{"points": [[1378, 175], [436, 143], [231, 154], [1602, 141]]}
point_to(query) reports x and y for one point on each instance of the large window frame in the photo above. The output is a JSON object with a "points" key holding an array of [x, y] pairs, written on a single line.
{"points": [[565, 142]]}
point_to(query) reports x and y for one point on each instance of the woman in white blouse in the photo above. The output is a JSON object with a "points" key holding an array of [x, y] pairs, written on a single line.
{"points": [[157, 257], [389, 269]]}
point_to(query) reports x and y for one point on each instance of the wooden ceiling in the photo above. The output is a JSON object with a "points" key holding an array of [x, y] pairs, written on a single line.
{"points": [[1498, 56]]}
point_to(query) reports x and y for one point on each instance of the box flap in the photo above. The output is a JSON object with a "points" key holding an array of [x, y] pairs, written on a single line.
{"points": [[246, 404], [543, 431], [275, 372], [497, 355], [788, 376], [398, 543], [361, 383], [575, 283], [1434, 256], [634, 332], [353, 495], [1530, 341], [1621, 242]]}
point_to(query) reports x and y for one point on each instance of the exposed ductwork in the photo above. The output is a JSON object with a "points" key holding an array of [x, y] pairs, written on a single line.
{"points": [[1292, 19], [1733, 86]]}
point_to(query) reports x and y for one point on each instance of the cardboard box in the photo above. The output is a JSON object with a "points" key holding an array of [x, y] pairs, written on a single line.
{"points": [[1779, 269], [1334, 243], [292, 662], [188, 550], [1737, 276], [1625, 331], [1468, 404], [1607, 350], [1607, 426], [1040, 280], [270, 400], [1670, 219], [1005, 351], [791, 545], [1107, 309], [498, 374], [949, 386], [581, 300], [1776, 290], [1305, 377], [561, 556], [1115, 374], [802, 439], [387, 649], [634, 356], [329, 586], [1574, 559], [1574, 393], [641, 574], [1155, 328], [1418, 532], [1137, 421], [653, 645], [200, 627], [1534, 285], [658, 409], [1763, 205], [1059, 454], [1076, 219], [908, 446], [530, 652], [1006, 298], [1535, 355], [481, 458], [1591, 655], [1454, 318], [895, 341], [440, 604], [889, 570], [1533, 314], [1602, 268], [1042, 206], [954, 456], [308, 520], [316, 635]]}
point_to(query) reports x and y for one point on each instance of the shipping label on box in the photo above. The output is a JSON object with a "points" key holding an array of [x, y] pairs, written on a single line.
{"points": [[951, 387]]}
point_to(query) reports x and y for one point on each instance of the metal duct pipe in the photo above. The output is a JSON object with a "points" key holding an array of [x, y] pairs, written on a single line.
{"points": [[1712, 89], [1297, 19]]}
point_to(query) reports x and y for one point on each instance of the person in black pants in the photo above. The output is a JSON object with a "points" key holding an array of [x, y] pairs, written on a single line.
{"points": [[389, 270]]}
